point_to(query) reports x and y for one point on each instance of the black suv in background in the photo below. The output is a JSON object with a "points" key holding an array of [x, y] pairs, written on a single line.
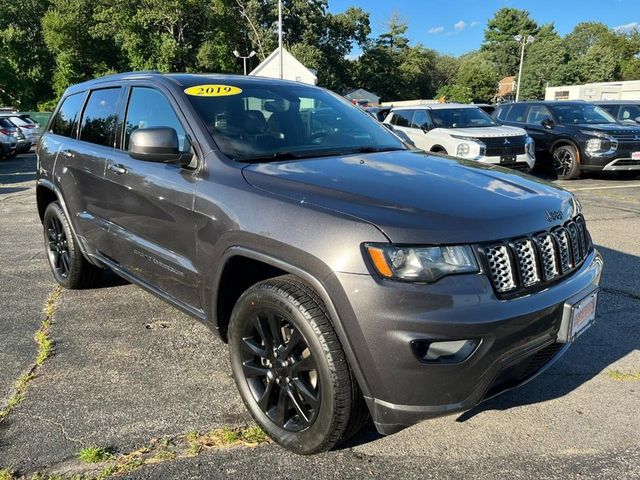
{"points": [[625, 111], [348, 273], [579, 136]]}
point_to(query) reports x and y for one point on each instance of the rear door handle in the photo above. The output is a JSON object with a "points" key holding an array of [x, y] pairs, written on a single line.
{"points": [[117, 169], [67, 153]]}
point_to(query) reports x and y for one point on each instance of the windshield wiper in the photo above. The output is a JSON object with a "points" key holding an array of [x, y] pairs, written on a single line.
{"points": [[368, 149]]}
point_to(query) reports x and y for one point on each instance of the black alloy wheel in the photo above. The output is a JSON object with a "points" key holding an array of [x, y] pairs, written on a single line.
{"points": [[280, 371], [68, 265], [565, 162], [59, 256], [290, 369]]}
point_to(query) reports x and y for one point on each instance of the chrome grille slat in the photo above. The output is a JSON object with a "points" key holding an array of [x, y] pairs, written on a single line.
{"points": [[526, 255], [500, 267], [547, 248], [523, 263], [575, 243], [563, 244]]}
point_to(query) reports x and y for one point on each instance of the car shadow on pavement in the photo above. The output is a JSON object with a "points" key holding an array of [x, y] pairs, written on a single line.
{"points": [[17, 170], [613, 336], [109, 279]]}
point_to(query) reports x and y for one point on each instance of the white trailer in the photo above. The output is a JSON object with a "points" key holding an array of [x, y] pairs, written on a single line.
{"points": [[629, 90]]}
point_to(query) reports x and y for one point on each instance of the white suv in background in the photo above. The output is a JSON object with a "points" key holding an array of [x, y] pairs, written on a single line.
{"points": [[463, 131]]}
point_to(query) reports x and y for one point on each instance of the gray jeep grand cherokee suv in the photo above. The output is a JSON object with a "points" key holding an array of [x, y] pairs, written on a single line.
{"points": [[350, 275]]}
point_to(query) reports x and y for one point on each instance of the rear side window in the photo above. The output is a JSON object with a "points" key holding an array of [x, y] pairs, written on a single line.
{"points": [[67, 116], [420, 119], [610, 109], [6, 123], [150, 108], [629, 112], [100, 117], [516, 113], [402, 118]]}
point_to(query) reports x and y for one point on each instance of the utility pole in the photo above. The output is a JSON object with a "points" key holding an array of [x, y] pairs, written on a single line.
{"points": [[244, 58], [280, 37], [524, 40]]}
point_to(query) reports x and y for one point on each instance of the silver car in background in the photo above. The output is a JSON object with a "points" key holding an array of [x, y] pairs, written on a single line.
{"points": [[27, 127]]}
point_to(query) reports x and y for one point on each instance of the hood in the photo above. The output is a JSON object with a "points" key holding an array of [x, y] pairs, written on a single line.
{"points": [[415, 197], [475, 132], [610, 128]]}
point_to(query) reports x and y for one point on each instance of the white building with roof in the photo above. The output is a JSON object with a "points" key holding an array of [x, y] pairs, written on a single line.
{"points": [[292, 68]]}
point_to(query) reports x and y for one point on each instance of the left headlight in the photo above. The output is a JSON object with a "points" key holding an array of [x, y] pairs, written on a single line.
{"points": [[421, 264]]}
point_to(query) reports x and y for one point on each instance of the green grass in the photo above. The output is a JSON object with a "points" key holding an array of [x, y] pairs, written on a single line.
{"points": [[6, 474], [254, 435], [94, 454], [624, 376], [45, 347]]}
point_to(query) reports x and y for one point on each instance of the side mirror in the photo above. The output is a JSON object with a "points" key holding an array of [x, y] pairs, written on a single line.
{"points": [[156, 144], [425, 127], [547, 123], [389, 126]]}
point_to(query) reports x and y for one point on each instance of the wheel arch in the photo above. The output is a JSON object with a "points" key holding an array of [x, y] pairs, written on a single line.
{"points": [[566, 141], [437, 148], [277, 267]]}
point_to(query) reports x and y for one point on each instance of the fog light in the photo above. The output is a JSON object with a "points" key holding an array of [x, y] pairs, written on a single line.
{"points": [[450, 351], [463, 150]]}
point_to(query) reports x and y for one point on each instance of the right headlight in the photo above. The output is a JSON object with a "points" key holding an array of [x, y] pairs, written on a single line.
{"points": [[599, 144], [421, 264]]}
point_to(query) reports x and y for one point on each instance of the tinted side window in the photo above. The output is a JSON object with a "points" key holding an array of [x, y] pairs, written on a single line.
{"points": [[538, 114], [402, 118], [516, 113], [100, 117], [610, 109], [501, 113], [420, 119], [68, 115], [629, 112], [150, 108]]}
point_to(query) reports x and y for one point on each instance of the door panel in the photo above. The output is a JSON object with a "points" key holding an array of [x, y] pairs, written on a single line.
{"points": [[541, 135], [150, 206], [152, 224]]}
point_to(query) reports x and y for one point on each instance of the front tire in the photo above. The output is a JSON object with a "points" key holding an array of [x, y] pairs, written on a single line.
{"points": [[566, 164], [290, 368], [68, 265]]}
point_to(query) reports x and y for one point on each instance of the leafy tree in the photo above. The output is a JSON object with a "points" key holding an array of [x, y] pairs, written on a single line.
{"points": [[393, 69], [478, 74], [25, 61], [544, 64], [499, 43], [455, 93], [78, 54]]}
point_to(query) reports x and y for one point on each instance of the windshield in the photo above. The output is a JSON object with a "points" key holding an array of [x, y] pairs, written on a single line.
{"points": [[461, 118], [272, 121], [577, 114]]}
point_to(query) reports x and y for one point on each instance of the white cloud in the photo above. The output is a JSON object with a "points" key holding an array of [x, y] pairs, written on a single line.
{"points": [[475, 23], [459, 26], [436, 30], [627, 27]]}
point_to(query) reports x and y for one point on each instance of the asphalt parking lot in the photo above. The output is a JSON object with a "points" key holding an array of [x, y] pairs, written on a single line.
{"points": [[128, 370]]}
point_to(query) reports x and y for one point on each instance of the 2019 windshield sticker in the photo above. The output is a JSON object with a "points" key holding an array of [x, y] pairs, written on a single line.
{"points": [[212, 90]]}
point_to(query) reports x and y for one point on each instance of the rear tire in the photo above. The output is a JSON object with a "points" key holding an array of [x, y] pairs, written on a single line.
{"points": [[68, 265], [290, 368], [566, 163]]}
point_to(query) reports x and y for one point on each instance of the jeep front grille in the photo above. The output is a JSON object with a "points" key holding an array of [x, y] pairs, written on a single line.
{"points": [[521, 264]]}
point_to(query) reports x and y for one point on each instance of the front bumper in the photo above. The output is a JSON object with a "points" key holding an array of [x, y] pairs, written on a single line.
{"points": [[514, 335], [524, 162], [622, 165]]}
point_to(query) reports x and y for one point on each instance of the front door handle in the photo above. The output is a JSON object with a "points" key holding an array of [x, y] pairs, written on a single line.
{"points": [[117, 169], [67, 153]]}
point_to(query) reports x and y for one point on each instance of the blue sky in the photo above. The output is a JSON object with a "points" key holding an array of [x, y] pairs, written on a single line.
{"points": [[456, 26]]}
